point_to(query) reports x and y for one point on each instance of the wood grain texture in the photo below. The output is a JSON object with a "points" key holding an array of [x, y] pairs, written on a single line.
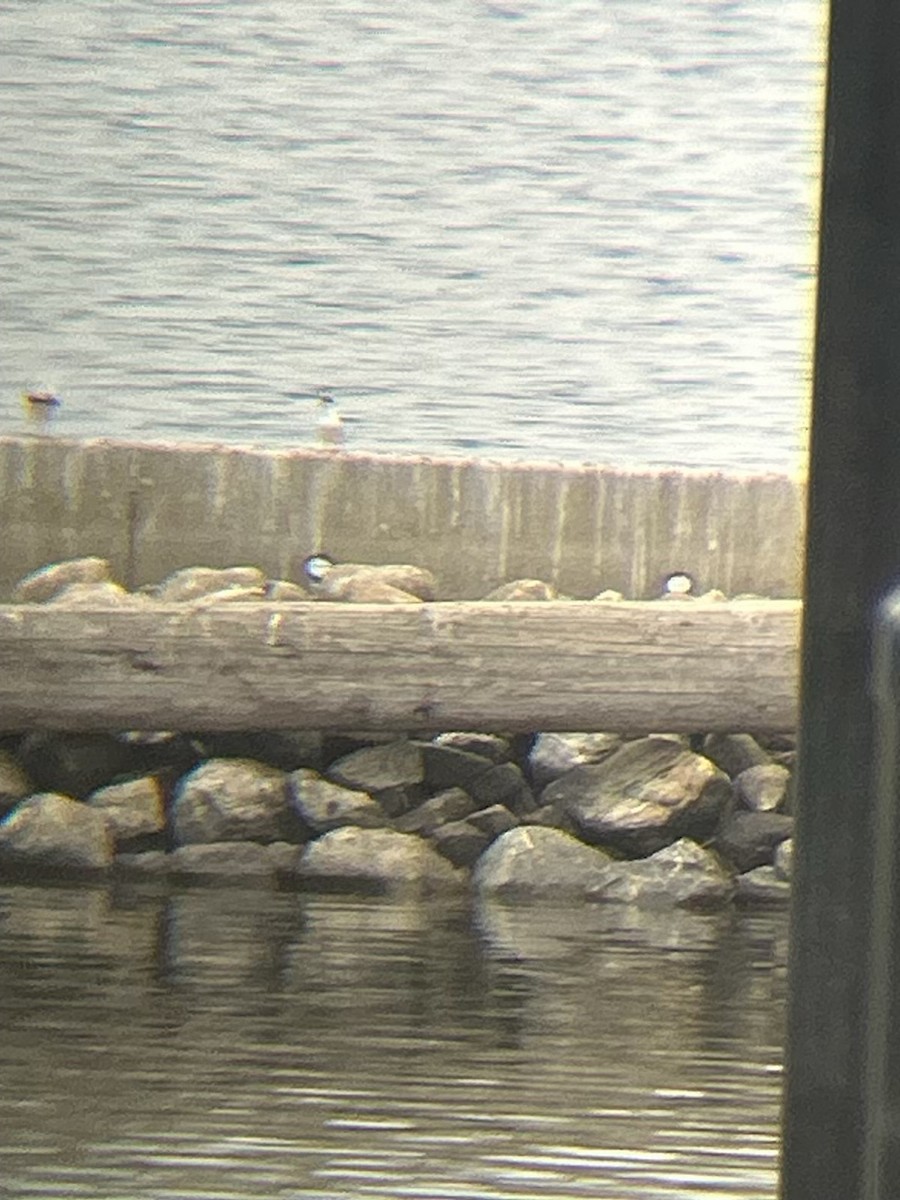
{"points": [[630, 667]]}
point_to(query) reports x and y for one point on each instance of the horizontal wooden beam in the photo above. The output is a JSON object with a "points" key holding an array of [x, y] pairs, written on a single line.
{"points": [[630, 667]]}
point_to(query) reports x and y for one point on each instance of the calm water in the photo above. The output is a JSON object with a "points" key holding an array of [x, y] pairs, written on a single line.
{"points": [[516, 228], [230, 1045]]}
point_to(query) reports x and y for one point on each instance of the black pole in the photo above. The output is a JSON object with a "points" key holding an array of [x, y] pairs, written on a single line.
{"points": [[853, 557]]}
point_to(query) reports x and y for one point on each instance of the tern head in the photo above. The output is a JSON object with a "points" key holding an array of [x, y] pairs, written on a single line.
{"points": [[317, 566]]}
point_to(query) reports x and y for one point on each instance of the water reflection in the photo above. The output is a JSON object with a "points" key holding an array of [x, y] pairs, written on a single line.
{"points": [[242, 1044]]}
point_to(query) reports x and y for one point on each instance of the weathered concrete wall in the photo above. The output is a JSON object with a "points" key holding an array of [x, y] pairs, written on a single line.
{"points": [[153, 508]]}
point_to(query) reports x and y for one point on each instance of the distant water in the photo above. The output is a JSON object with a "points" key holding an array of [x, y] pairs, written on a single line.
{"points": [[510, 228], [233, 1045]]}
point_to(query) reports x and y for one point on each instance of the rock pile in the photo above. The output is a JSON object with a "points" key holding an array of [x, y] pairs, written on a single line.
{"points": [[655, 820]]}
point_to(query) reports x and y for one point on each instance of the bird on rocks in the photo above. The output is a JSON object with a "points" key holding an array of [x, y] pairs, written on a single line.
{"points": [[330, 427], [388, 583]]}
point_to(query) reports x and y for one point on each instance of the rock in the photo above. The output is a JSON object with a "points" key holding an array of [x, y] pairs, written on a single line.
{"points": [[286, 749], [97, 595], [450, 805], [363, 581], [505, 784], [53, 834], [14, 782], [233, 862], [322, 805], [460, 842], [763, 787], [132, 809], [74, 764], [446, 767], [762, 886], [524, 589], [643, 797], [748, 839], [494, 820], [534, 861], [393, 774], [233, 800], [191, 583], [609, 596], [47, 582], [783, 862], [682, 875], [734, 752], [231, 595], [553, 754], [486, 745], [379, 860]]}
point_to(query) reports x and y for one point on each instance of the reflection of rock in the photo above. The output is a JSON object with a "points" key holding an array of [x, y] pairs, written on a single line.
{"points": [[374, 859], [232, 800], [643, 797], [50, 833]]}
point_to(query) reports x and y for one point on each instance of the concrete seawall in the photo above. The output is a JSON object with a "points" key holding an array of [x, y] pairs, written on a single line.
{"points": [[153, 508]]}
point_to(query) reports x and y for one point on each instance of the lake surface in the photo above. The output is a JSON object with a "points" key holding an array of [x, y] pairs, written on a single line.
{"points": [[509, 228], [231, 1044]]}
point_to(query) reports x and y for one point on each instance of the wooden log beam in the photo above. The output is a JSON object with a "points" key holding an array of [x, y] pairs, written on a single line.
{"points": [[631, 667]]}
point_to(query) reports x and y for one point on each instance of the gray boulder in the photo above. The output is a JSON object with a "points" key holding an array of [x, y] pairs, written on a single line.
{"points": [[533, 861], [322, 805], [763, 787], [734, 752], [133, 809], [553, 754], [463, 842], [450, 805], [48, 581], [502, 783], [682, 875], [748, 839], [446, 766], [393, 773], [233, 800], [54, 834], [643, 797], [380, 860]]}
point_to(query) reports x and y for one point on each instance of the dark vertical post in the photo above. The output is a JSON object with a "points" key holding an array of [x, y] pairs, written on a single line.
{"points": [[853, 556]]}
